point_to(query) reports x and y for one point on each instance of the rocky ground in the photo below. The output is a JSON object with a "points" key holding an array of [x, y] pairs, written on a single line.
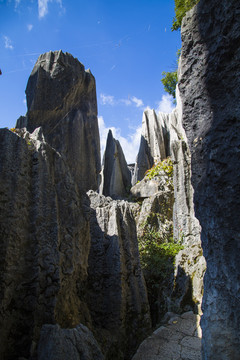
{"points": [[178, 339]]}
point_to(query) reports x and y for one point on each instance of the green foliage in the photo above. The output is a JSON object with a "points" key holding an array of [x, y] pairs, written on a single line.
{"points": [[157, 255], [165, 166], [181, 7], [169, 82], [170, 79]]}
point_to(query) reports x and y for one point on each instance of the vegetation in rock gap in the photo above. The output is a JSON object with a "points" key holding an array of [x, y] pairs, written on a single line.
{"points": [[165, 166], [170, 79], [157, 249], [181, 7]]}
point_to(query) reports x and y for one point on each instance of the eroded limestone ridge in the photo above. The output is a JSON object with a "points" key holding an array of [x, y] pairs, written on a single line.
{"points": [[154, 145], [61, 98], [64, 261]]}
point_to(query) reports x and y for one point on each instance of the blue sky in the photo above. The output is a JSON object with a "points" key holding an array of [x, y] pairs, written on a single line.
{"points": [[126, 44]]}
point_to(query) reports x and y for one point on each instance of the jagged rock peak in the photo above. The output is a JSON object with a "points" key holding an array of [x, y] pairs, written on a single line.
{"points": [[116, 176], [55, 67], [154, 145], [61, 98]]}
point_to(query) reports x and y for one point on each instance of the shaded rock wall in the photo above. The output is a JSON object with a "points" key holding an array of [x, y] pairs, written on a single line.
{"points": [[45, 243], [61, 344], [116, 176], [62, 261], [61, 98], [190, 264], [116, 288], [209, 87]]}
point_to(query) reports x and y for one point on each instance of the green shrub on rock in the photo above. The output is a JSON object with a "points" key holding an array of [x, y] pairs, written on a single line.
{"points": [[163, 167], [181, 7]]}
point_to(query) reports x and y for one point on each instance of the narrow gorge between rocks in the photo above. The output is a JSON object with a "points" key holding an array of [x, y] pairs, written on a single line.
{"points": [[118, 261]]}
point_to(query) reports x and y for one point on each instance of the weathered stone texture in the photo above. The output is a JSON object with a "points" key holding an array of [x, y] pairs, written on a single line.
{"points": [[178, 339], [116, 288], [156, 214], [209, 87], [116, 176], [190, 264], [61, 344], [62, 261], [61, 98], [154, 145], [185, 288], [45, 242]]}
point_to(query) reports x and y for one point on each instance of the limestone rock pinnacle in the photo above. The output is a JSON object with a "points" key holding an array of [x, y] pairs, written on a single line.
{"points": [[61, 98]]}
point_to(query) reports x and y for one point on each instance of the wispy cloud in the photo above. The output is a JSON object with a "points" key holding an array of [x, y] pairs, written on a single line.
{"points": [[29, 27], [126, 102], [130, 144], [7, 43], [137, 101], [17, 2], [107, 99], [110, 100], [166, 104], [43, 7]]}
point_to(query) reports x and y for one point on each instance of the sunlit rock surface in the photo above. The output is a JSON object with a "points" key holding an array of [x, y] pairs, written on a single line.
{"points": [[61, 98], [154, 143]]}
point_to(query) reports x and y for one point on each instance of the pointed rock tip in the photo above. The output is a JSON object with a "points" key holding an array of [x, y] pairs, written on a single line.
{"points": [[110, 134]]}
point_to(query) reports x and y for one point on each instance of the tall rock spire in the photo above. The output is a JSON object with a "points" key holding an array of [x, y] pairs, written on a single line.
{"points": [[154, 143], [61, 98], [116, 177]]}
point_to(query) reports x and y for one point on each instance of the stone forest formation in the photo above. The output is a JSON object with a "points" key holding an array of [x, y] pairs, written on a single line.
{"points": [[114, 261]]}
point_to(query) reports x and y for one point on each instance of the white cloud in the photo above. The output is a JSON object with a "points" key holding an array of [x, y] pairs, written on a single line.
{"points": [[110, 100], [126, 102], [43, 6], [130, 145], [17, 2], [8, 43], [165, 105], [29, 27], [137, 101], [107, 99]]}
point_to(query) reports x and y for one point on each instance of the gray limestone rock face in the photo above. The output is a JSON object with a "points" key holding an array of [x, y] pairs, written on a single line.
{"points": [[117, 294], [45, 243], [154, 143], [62, 344], [178, 339], [64, 261], [209, 83], [116, 176], [190, 264], [185, 288], [146, 188], [155, 219], [61, 98]]}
